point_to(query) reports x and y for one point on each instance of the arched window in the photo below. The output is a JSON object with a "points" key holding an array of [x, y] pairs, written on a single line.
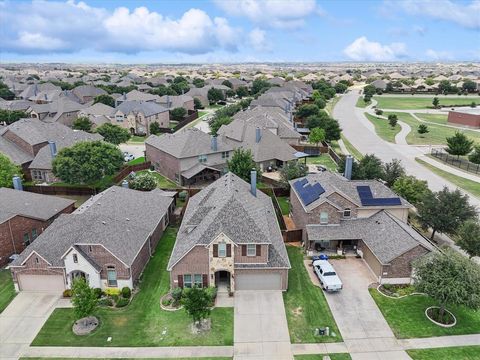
{"points": [[347, 213]]}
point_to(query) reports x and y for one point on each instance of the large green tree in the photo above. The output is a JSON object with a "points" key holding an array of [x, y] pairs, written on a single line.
{"points": [[459, 144], [475, 155], [467, 237], [241, 164], [87, 162], [444, 211], [10, 116], [392, 171], [259, 86], [105, 99], [82, 123], [7, 171], [323, 120], [215, 95], [307, 110], [316, 136], [292, 170], [113, 134], [369, 167], [84, 299], [178, 113], [411, 189], [217, 123], [242, 91], [449, 278]]}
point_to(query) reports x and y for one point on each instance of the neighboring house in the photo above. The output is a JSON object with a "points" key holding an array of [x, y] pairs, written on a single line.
{"points": [[34, 89], [268, 149], [379, 84], [108, 241], [87, 93], [31, 142], [171, 102], [337, 214], [230, 237], [24, 216], [202, 93], [13, 105], [62, 110], [136, 116], [136, 95], [98, 114], [189, 156]]}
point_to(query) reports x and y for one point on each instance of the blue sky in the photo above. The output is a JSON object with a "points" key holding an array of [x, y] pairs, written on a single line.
{"points": [[216, 31]]}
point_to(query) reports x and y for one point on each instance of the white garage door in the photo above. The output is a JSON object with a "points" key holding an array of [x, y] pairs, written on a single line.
{"points": [[53, 283], [267, 281]]}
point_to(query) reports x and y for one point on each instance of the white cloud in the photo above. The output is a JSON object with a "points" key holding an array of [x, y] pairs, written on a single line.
{"points": [[70, 26], [258, 40], [438, 55], [364, 50], [466, 15], [275, 13]]}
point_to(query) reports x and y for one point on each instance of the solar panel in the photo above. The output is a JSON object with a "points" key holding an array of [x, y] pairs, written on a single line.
{"points": [[364, 191], [367, 199], [308, 193]]}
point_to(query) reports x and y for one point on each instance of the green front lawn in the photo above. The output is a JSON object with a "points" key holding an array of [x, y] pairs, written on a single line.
{"points": [[305, 304], [407, 318], [437, 134], [435, 118], [361, 103], [143, 322], [137, 139], [162, 181], [420, 102], [284, 203], [136, 161], [202, 113], [325, 160], [449, 353], [383, 128], [7, 291], [344, 356], [468, 185]]}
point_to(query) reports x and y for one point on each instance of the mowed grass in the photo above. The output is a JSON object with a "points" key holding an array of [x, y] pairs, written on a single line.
{"points": [[437, 134], [470, 186], [137, 139], [139, 160], [418, 102], [361, 103], [305, 304], [284, 203], [324, 160], [202, 113], [143, 322], [162, 181], [331, 104], [7, 291], [383, 128], [434, 118], [352, 149], [344, 356], [407, 318], [448, 353]]}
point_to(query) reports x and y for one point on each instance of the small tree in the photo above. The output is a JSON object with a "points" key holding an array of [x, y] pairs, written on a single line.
{"points": [[422, 129], [475, 155], [435, 102], [105, 99], [473, 104], [392, 171], [178, 113], [411, 189], [444, 211], [217, 123], [11, 116], [227, 84], [392, 120], [144, 182], [215, 95], [459, 144], [82, 123], [7, 171], [155, 128], [320, 103], [241, 164], [197, 104], [84, 299], [450, 279], [242, 91], [378, 112], [316, 136], [113, 134], [197, 304], [307, 110], [468, 237], [292, 170]]}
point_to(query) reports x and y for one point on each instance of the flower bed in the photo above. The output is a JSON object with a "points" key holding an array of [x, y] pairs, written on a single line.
{"points": [[396, 291], [433, 314]]}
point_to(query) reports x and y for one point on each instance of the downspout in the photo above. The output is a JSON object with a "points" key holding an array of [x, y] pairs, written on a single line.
{"points": [[11, 236]]}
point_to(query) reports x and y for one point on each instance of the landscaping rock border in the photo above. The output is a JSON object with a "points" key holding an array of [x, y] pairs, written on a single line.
{"points": [[163, 307], [85, 326], [396, 297], [440, 324]]}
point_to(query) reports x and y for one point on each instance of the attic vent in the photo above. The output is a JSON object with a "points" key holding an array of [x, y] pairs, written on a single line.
{"points": [[103, 222], [128, 219]]}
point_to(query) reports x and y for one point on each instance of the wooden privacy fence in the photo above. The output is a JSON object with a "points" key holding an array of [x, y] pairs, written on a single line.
{"points": [[60, 190], [292, 235], [127, 169]]}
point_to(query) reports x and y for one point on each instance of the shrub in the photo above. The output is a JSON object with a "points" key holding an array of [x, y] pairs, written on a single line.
{"points": [[378, 111], [177, 294], [211, 293], [98, 292], [126, 292], [112, 291], [67, 293], [114, 297], [143, 182], [105, 302], [167, 302], [122, 302]]}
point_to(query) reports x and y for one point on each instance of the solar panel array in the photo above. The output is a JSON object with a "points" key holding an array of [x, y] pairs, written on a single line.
{"points": [[308, 193], [367, 199]]}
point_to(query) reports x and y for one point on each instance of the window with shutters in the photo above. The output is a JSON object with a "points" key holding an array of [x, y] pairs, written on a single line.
{"points": [[111, 276], [222, 250], [251, 250], [198, 280], [187, 281]]}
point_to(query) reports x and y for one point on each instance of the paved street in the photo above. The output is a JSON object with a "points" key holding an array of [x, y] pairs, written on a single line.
{"points": [[22, 320], [361, 133], [260, 326]]}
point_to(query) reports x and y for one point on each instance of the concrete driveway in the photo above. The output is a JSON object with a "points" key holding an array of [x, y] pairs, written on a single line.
{"points": [[260, 326], [22, 320], [137, 150]]}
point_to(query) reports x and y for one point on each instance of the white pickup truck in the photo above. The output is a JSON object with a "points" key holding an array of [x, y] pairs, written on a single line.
{"points": [[329, 279]]}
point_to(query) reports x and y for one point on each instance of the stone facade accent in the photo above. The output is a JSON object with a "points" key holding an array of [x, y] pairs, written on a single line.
{"points": [[222, 263]]}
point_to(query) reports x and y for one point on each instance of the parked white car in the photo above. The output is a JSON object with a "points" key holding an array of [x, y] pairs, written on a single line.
{"points": [[127, 156], [329, 279]]}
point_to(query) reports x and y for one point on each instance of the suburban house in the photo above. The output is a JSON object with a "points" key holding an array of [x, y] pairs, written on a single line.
{"points": [[108, 241], [137, 116], [34, 89], [230, 237], [268, 150], [98, 114], [24, 216], [62, 110], [362, 216], [33, 144], [87, 93], [202, 93], [136, 95], [188, 156], [181, 101]]}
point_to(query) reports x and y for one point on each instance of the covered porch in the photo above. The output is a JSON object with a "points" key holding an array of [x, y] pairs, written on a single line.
{"points": [[200, 174]]}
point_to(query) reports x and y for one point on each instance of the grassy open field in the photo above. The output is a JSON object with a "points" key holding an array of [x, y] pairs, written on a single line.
{"points": [[437, 134], [383, 128], [406, 317], [448, 353], [435, 118], [361, 103], [143, 322], [305, 304], [417, 102], [470, 186], [7, 291], [324, 160]]}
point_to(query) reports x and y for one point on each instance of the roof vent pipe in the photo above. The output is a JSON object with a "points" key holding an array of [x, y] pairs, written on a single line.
{"points": [[213, 143], [53, 148], [258, 135], [17, 183], [253, 182], [125, 184], [348, 167]]}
